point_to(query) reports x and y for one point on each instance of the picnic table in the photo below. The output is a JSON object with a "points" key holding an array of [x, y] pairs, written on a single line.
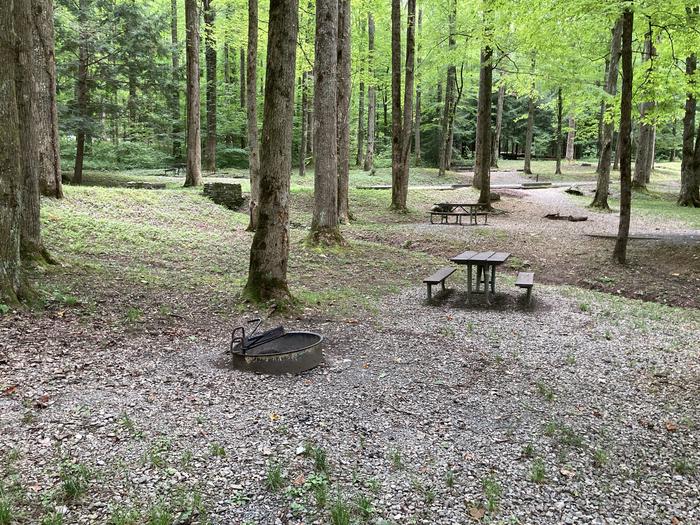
{"points": [[486, 263], [445, 210]]}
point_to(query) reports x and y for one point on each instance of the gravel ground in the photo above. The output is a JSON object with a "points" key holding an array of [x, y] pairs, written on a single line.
{"points": [[581, 409]]}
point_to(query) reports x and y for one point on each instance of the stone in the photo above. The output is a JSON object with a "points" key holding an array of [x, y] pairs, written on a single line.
{"points": [[225, 194]]}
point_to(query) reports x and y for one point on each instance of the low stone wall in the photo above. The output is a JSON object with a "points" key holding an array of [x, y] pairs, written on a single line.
{"points": [[225, 194], [146, 185]]}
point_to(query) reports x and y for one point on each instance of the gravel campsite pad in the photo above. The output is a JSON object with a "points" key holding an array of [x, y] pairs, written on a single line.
{"points": [[581, 409]]}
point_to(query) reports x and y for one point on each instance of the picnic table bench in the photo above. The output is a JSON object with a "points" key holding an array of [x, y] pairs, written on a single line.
{"points": [[445, 210], [438, 277], [175, 170], [525, 280]]}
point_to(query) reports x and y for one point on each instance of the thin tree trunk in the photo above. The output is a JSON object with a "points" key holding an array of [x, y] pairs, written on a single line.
{"points": [[324, 225], [269, 253], [625, 141], [616, 142], [560, 109], [44, 110], [644, 162], [304, 122], [482, 175], [689, 182], [402, 193], [193, 176], [417, 123], [81, 93], [395, 100], [499, 124], [570, 138], [672, 157], [252, 113], [242, 73], [445, 153], [371, 98], [10, 165], [359, 160], [210, 56], [601, 116], [175, 89], [343, 109], [600, 200], [529, 134], [227, 64]]}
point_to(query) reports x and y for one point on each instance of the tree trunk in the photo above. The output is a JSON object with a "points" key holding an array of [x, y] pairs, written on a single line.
{"points": [[242, 68], [371, 97], [175, 89], [269, 253], [570, 137], [560, 109], [402, 194], [417, 123], [445, 153], [600, 200], [304, 123], [644, 163], [530, 128], [193, 176], [344, 88], [10, 162], [210, 57], [81, 93], [499, 124], [252, 114], [227, 64], [482, 164], [625, 140], [44, 110], [689, 182], [324, 225], [359, 160]]}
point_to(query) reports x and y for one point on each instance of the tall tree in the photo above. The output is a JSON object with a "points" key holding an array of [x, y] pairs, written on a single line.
{"points": [[210, 58], [600, 200], [193, 176], [445, 153], [303, 143], [324, 225], [688, 195], [417, 123], [625, 138], [496, 142], [44, 109], [401, 124], [269, 253], [252, 113], [371, 96], [529, 134], [81, 92], [11, 283], [242, 76], [560, 109], [175, 88], [644, 162], [570, 137], [343, 109], [359, 160], [482, 165]]}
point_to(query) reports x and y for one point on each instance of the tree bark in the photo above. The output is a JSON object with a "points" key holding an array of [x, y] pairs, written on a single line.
{"points": [[242, 68], [227, 64], [10, 162], [689, 182], [625, 140], [175, 89], [359, 160], [304, 123], [570, 138], [193, 176], [401, 124], [560, 109], [371, 97], [44, 110], [269, 253], [343, 109], [445, 152], [81, 93], [482, 164], [324, 225], [644, 162], [210, 57], [417, 122], [529, 134], [252, 113], [495, 152], [600, 200]]}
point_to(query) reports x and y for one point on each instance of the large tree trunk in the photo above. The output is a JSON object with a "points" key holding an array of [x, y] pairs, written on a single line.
{"points": [[193, 176], [600, 200], [560, 109], [417, 122], [324, 225], [644, 162], [252, 113], [44, 110], [371, 98], [482, 164], [570, 137], [210, 57], [401, 124], [175, 88], [496, 142], [269, 253], [359, 159], [625, 140], [81, 93], [445, 153], [689, 182], [10, 165], [304, 123], [343, 109]]}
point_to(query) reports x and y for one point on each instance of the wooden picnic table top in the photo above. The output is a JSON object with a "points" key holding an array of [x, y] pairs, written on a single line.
{"points": [[462, 204], [471, 257]]}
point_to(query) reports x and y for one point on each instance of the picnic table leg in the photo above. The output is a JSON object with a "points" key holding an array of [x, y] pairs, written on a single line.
{"points": [[486, 284], [469, 283], [478, 278], [493, 279]]}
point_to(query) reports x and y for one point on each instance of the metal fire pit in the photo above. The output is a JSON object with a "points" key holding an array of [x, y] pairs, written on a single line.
{"points": [[275, 351]]}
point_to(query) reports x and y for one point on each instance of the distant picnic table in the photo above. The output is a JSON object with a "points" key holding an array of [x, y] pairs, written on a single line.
{"points": [[486, 263], [458, 210]]}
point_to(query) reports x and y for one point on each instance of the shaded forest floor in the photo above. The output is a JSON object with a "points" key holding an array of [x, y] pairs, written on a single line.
{"points": [[116, 402]]}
